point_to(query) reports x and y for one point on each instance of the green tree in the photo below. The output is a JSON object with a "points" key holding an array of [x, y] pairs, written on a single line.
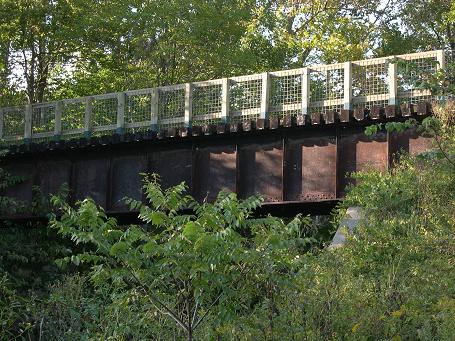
{"points": [[418, 26]]}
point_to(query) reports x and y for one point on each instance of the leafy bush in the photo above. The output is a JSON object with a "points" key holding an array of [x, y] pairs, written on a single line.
{"points": [[215, 260]]}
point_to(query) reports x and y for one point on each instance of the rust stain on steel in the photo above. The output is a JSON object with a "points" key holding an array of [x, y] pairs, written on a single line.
{"points": [[173, 166], [261, 170], [419, 144], [51, 175], [300, 166], [310, 169], [356, 152], [126, 180], [410, 142], [215, 169], [91, 180]]}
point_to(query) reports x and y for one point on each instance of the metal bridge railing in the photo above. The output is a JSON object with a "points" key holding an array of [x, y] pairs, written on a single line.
{"points": [[314, 89]]}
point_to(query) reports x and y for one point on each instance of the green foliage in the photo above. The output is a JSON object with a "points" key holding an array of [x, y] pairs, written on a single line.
{"points": [[52, 50], [187, 266]]}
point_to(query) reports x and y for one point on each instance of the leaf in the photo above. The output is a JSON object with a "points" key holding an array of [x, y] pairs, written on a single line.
{"points": [[149, 247], [118, 248], [76, 260], [192, 230], [157, 218]]}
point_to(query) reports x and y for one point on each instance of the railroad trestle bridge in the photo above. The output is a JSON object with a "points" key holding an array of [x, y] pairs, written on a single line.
{"points": [[293, 136]]}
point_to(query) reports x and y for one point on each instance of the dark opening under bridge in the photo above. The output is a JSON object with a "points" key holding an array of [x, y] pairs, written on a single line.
{"points": [[292, 136]]}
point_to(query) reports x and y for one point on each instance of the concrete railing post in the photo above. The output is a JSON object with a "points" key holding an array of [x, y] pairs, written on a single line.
{"points": [[28, 123], [225, 101], [440, 57], [306, 91], [393, 84], [347, 86], [88, 117], [120, 129], [58, 120], [154, 98], [154, 109], [188, 104], [265, 93]]}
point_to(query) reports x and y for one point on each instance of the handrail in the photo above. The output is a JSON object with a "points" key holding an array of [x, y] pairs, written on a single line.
{"points": [[316, 88]]}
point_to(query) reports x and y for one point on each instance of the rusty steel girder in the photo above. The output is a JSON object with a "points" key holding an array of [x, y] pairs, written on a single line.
{"points": [[289, 166]]}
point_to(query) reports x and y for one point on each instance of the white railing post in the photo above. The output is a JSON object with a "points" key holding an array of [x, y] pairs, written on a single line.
{"points": [[28, 123], [265, 93], [188, 104], [154, 109], [120, 113], [306, 95], [393, 84], [440, 57], [225, 101], [58, 120], [347, 87], [88, 117]]}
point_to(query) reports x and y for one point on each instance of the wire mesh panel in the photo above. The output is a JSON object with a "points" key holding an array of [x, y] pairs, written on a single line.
{"points": [[171, 106], [245, 98], [370, 83], [73, 112], [206, 103], [326, 88], [43, 119], [138, 110], [13, 123], [412, 73], [285, 93], [104, 114]]}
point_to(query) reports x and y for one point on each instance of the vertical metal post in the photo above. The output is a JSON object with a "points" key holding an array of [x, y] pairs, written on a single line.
{"points": [[88, 117], [265, 93], [28, 123], [347, 102], [306, 91], [188, 104], [120, 113], [58, 120], [225, 101], [393, 84], [154, 109], [440, 57]]}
